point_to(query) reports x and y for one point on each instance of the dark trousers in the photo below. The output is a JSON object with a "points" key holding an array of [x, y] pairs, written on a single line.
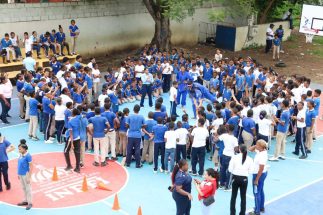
{"points": [[46, 48], [173, 106], [65, 44], [183, 204], [166, 82], [47, 123], [59, 130], [41, 121], [37, 48], [269, 44], [262, 137], [259, 194], [159, 148], [224, 173], [198, 156], [146, 89], [300, 140], [133, 143], [5, 109], [241, 183], [4, 172], [180, 152], [77, 152]]}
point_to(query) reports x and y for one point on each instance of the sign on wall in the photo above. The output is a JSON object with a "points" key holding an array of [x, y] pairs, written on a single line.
{"points": [[312, 20]]}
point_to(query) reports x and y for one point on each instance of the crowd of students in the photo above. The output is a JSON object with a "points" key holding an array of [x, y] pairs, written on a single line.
{"points": [[238, 104], [54, 40]]}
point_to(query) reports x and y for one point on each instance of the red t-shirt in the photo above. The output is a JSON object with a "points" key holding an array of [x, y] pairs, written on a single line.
{"points": [[208, 188]]}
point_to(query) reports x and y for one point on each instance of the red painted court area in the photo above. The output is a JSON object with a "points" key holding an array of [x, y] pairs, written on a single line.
{"points": [[67, 191]]}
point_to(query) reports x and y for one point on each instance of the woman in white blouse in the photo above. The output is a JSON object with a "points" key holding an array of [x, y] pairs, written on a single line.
{"points": [[240, 167], [259, 175], [59, 119]]}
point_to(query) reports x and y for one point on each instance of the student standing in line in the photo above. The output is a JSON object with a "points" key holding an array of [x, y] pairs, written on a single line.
{"points": [[249, 129], [83, 134], [259, 175], [33, 113], [206, 190], [25, 169], [148, 149], [173, 99], [147, 81], [99, 124], [135, 122], [199, 135], [5, 148], [20, 84], [301, 130], [123, 132], [282, 129], [183, 135], [310, 122], [264, 125], [181, 188], [74, 33], [241, 165], [59, 119], [317, 104], [170, 146], [48, 114], [159, 144]]}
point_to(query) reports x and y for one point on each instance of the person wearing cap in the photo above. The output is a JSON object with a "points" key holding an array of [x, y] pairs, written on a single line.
{"points": [[269, 37], [5, 147]]}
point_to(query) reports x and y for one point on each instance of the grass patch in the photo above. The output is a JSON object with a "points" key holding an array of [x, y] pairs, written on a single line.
{"points": [[318, 40], [318, 52], [292, 38]]}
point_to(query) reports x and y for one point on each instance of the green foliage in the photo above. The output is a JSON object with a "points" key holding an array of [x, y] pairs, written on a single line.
{"points": [[318, 40], [253, 46]]}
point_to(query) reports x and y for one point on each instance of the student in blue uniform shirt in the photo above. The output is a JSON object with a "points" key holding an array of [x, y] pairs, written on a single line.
{"points": [[231, 68], [48, 114], [61, 39], [158, 113], [205, 92], [182, 78], [78, 62], [83, 137], [310, 123], [240, 84], [7, 47], [5, 148], [317, 104], [214, 83], [148, 148], [33, 113], [74, 33], [20, 84], [249, 129], [89, 82], [46, 43], [207, 75], [74, 129], [227, 92], [250, 78], [159, 144], [135, 123], [55, 65], [234, 120], [185, 123]]}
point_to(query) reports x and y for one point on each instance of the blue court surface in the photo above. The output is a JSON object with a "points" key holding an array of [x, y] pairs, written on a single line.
{"points": [[292, 187]]}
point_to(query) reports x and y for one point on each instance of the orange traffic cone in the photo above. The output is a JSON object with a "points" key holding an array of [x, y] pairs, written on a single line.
{"points": [[102, 186], [139, 211], [55, 177], [116, 205], [84, 185]]}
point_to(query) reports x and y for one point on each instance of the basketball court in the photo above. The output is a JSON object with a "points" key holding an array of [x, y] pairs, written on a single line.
{"points": [[292, 187]]}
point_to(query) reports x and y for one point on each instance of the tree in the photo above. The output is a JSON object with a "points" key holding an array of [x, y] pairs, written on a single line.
{"points": [[162, 11]]}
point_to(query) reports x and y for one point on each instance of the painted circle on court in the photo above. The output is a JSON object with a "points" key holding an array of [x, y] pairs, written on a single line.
{"points": [[67, 191]]}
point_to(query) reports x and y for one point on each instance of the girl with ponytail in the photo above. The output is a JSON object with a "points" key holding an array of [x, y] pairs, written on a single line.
{"points": [[240, 167]]}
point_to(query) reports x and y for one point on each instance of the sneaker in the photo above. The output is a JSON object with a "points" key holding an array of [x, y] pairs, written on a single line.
{"points": [[221, 187], [140, 166], [114, 158], [155, 171], [151, 163], [273, 159], [303, 157], [68, 168], [27, 120], [48, 141], [308, 151], [35, 138], [227, 190], [103, 163], [161, 170], [282, 157], [81, 165], [52, 138], [30, 136], [95, 164], [8, 186], [194, 174], [295, 153], [29, 207], [314, 139], [21, 117], [166, 172], [77, 170], [22, 203]]}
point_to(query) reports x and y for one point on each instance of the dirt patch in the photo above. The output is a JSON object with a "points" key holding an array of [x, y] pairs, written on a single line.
{"points": [[301, 58]]}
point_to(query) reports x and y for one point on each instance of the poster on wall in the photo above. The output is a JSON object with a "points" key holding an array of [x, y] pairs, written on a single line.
{"points": [[312, 20]]}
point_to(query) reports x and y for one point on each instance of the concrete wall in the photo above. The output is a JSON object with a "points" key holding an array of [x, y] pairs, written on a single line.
{"points": [[104, 25], [260, 38]]}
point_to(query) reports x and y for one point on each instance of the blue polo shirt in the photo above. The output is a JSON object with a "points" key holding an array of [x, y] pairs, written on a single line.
{"points": [[248, 124], [227, 94], [73, 29], [99, 125], [310, 115], [46, 102], [89, 81], [285, 117], [68, 114], [317, 103], [20, 85], [240, 81], [33, 107], [135, 123], [74, 125], [159, 131], [158, 114], [208, 73], [90, 114], [234, 121], [150, 123], [84, 124], [3, 150], [262, 78], [55, 66], [28, 88], [5, 43], [23, 164], [231, 70], [249, 80], [60, 37], [77, 98], [110, 116], [214, 82], [185, 180], [186, 125], [123, 127]]}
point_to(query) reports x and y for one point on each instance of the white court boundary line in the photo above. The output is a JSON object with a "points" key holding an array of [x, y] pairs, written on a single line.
{"points": [[110, 205], [290, 192]]}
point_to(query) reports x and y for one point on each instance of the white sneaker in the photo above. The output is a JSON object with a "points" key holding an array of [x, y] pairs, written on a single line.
{"points": [[282, 157], [273, 159], [52, 138], [48, 141], [155, 171], [160, 169], [227, 190], [166, 172]]}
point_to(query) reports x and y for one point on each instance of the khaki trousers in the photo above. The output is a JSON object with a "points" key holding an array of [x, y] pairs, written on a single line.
{"points": [[110, 139], [247, 138], [148, 149], [99, 145], [280, 144], [33, 124], [309, 138], [123, 143], [26, 188], [21, 104]]}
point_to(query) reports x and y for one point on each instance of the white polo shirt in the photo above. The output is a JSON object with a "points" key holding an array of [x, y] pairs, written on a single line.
{"points": [[200, 134], [260, 159], [230, 142], [237, 168], [182, 136], [139, 69], [59, 112], [172, 94], [264, 126], [171, 137], [301, 114]]}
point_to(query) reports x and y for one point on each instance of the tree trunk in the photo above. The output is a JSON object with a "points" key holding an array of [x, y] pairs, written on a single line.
{"points": [[162, 35], [264, 14]]}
